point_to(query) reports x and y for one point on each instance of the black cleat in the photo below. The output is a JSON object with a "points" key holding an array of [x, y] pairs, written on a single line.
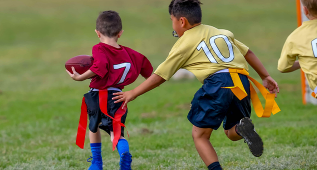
{"points": [[246, 129]]}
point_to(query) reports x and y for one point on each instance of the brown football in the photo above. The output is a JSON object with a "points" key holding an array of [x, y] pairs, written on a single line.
{"points": [[81, 63]]}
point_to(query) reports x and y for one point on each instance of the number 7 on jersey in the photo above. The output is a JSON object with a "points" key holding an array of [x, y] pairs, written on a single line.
{"points": [[126, 70]]}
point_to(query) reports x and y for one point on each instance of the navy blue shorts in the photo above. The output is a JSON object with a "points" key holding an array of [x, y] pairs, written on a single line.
{"points": [[213, 105], [99, 119]]}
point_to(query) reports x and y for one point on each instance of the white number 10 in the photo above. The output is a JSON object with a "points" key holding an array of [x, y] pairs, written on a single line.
{"points": [[214, 47], [126, 70], [314, 45]]}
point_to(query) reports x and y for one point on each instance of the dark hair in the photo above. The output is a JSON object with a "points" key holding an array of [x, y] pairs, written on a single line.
{"points": [[189, 9], [109, 23]]}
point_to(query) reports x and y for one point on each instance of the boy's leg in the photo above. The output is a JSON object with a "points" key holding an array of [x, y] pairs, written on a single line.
{"points": [[94, 114], [232, 134], [95, 146], [237, 123], [95, 137], [111, 136], [124, 153], [206, 151]]}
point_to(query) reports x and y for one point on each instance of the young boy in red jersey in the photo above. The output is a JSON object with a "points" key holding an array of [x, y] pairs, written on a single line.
{"points": [[220, 62], [114, 67]]}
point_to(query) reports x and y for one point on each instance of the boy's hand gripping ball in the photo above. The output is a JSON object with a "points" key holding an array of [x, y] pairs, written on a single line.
{"points": [[81, 63]]}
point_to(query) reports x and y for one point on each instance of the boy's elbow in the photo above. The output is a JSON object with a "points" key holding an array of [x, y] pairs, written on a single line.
{"points": [[285, 70], [282, 67]]}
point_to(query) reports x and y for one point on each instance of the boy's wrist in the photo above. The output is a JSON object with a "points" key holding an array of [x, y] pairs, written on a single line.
{"points": [[133, 93], [264, 76]]}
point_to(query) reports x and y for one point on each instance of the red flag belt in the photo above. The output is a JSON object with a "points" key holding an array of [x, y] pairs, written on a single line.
{"points": [[116, 120]]}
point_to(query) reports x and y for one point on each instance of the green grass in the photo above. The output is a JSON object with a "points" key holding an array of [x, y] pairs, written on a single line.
{"points": [[40, 104]]}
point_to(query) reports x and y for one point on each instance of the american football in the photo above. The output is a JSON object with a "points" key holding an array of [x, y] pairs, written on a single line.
{"points": [[81, 63]]}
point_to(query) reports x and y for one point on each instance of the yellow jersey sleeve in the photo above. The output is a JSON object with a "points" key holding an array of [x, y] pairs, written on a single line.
{"points": [[173, 62], [242, 48], [287, 58]]}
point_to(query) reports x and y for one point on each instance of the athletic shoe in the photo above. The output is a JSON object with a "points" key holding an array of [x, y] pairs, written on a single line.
{"points": [[125, 161], [246, 129], [95, 165]]}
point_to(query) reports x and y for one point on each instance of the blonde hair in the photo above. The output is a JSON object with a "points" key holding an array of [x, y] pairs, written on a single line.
{"points": [[311, 5]]}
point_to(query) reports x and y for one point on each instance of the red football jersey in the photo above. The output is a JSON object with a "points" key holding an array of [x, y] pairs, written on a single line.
{"points": [[117, 67]]}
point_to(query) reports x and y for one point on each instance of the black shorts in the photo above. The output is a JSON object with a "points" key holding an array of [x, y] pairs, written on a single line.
{"points": [[99, 119], [213, 104]]}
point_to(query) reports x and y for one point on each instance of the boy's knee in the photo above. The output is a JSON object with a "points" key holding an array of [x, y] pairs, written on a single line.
{"points": [[194, 135], [197, 136], [198, 133]]}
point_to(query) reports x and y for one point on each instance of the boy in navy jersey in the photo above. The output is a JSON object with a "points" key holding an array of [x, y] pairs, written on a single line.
{"points": [[114, 67]]}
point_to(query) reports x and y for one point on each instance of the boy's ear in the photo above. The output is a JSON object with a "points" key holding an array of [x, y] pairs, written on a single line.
{"points": [[98, 33], [183, 21], [306, 12], [120, 33]]}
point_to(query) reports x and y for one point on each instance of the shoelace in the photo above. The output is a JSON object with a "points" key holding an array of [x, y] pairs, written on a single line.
{"points": [[89, 158]]}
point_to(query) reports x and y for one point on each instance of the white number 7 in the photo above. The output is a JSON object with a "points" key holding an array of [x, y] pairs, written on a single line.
{"points": [[314, 45], [126, 70]]}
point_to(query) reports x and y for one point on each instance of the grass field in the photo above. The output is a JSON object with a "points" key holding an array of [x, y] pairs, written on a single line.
{"points": [[40, 104]]}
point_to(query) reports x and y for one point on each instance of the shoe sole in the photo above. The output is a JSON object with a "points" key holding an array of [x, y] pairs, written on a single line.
{"points": [[254, 141]]}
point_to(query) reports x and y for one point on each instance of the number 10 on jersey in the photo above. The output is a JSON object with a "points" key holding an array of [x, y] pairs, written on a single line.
{"points": [[214, 47]]}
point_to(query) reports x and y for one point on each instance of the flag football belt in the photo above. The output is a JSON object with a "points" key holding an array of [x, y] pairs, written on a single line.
{"points": [[314, 93], [240, 93], [116, 120]]}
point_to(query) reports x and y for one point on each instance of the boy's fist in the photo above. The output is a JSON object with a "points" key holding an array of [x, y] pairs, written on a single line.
{"points": [[271, 85], [75, 75]]}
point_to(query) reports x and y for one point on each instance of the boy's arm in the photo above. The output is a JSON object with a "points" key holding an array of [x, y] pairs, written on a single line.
{"points": [[295, 66], [152, 82], [147, 68], [287, 62], [267, 80], [80, 77]]}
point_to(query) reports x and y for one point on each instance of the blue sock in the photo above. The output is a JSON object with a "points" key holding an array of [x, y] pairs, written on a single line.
{"points": [[96, 151], [122, 146]]}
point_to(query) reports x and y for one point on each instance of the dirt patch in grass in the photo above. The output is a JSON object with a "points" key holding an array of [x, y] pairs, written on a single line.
{"points": [[145, 131], [185, 106], [152, 114]]}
